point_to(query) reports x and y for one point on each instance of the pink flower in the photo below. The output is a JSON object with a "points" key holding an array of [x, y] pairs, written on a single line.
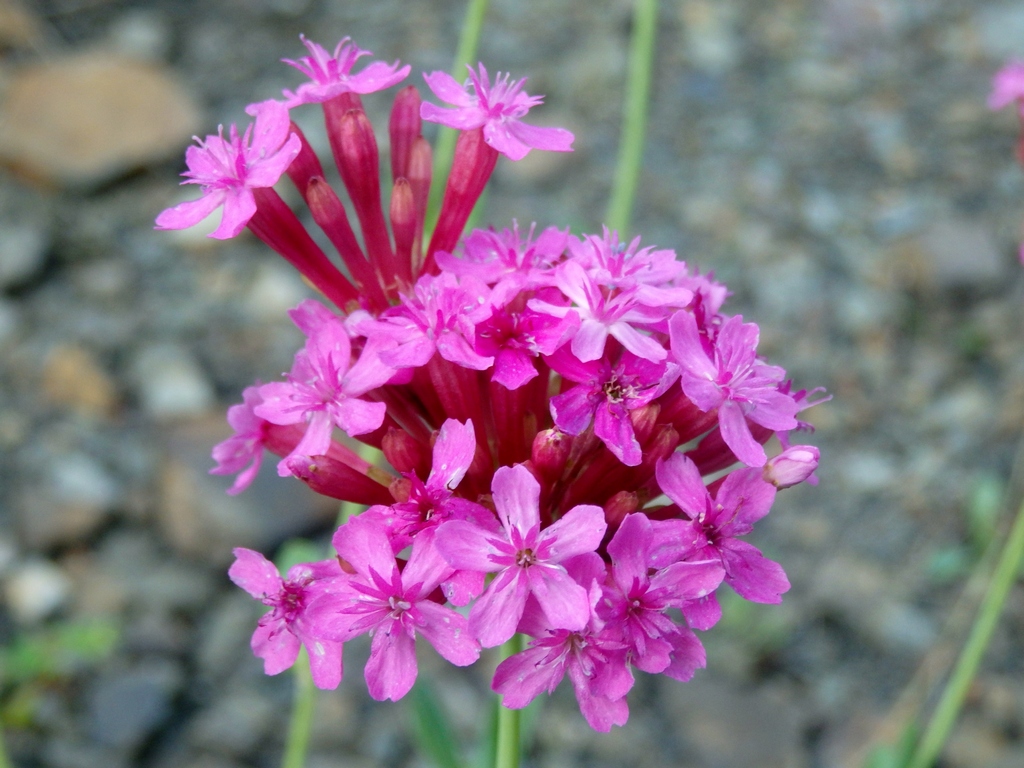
{"points": [[323, 390], [616, 313], [513, 339], [726, 374], [331, 75], [280, 632], [638, 595], [245, 447], [613, 263], [438, 316], [227, 170], [607, 394], [743, 499], [507, 259], [594, 658], [497, 109], [1008, 86], [392, 606], [432, 503], [527, 560]]}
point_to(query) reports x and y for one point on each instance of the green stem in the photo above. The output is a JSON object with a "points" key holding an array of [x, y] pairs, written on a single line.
{"points": [[444, 148], [509, 737], [4, 760], [974, 649], [302, 714], [634, 123]]}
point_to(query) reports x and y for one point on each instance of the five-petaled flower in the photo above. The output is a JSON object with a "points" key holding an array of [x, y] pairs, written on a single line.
{"points": [[229, 169], [331, 74], [497, 108]]}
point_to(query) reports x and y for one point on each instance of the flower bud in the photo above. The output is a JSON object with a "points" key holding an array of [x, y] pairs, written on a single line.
{"points": [[306, 164], [791, 467], [550, 452], [330, 477], [403, 129], [405, 453], [618, 506]]}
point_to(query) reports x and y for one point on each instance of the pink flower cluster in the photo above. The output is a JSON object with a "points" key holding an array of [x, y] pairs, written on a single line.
{"points": [[550, 407]]}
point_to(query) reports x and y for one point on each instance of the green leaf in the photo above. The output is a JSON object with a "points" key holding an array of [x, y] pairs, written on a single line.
{"points": [[431, 728]]}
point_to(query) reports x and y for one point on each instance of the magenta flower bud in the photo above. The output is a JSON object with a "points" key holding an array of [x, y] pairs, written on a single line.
{"points": [[471, 168], [329, 214], [358, 160], [619, 506], [404, 129], [403, 222], [330, 477], [644, 420], [405, 453], [306, 164], [419, 174], [792, 466], [551, 449]]}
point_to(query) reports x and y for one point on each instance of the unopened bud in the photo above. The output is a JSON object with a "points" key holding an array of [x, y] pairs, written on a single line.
{"points": [[403, 219], [550, 452], [403, 129], [618, 506], [330, 477], [644, 420], [306, 164], [404, 452], [791, 467]]}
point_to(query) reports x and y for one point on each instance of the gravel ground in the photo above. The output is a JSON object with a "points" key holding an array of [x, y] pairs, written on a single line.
{"points": [[831, 160]]}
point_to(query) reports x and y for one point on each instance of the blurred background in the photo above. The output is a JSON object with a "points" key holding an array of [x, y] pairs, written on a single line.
{"points": [[831, 160]]}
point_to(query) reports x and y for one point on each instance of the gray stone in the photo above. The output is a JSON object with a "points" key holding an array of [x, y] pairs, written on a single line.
{"points": [[36, 589], [960, 253], [713, 715], [76, 499], [126, 706], [234, 724], [23, 250], [74, 753], [1001, 28], [171, 384], [223, 641], [200, 520], [10, 320], [141, 34]]}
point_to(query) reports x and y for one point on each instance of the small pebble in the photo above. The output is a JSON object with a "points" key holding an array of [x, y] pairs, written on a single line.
{"points": [[36, 589]]}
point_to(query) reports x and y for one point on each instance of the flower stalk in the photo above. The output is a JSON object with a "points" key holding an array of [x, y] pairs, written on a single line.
{"points": [[955, 692], [444, 150], [634, 122], [509, 720], [300, 724]]}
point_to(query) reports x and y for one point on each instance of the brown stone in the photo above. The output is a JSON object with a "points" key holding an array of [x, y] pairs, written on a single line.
{"points": [[19, 27], [83, 119], [72, 377]]}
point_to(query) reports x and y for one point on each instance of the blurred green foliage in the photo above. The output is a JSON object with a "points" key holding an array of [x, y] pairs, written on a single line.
{"points": [[50, 656]]}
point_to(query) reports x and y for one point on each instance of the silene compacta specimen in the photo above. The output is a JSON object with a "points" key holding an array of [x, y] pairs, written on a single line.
{"points": [[551, 407]]}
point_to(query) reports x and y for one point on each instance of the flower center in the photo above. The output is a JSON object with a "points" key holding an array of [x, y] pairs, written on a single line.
{"points": [[525, 558], [398, 607]]}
